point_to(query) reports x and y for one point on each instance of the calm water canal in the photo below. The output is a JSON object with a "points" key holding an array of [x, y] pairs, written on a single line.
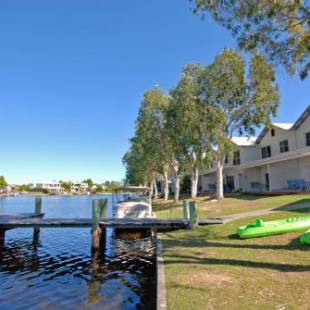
{"points": [[56, 270]]}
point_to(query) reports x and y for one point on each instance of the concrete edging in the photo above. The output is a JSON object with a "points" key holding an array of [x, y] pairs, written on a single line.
{"points": [[161, 301]]}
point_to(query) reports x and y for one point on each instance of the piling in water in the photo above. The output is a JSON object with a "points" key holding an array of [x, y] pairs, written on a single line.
{"points": [[99, 210]]}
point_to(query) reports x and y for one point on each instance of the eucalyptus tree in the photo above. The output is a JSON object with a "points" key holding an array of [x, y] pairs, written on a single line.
{"points": [[151, 137], [237, 103], [140, 168], [176, 150], [187, 119], [280, 29], [3, 182]]}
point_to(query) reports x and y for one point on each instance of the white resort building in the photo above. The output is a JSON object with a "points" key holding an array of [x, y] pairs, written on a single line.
{"points": [[52, 187], [278, 160]]}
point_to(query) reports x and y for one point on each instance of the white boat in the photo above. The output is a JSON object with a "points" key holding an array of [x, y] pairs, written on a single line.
{"points": [[132, 204]]}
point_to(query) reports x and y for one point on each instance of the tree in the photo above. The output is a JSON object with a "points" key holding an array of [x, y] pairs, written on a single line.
{"points": [[67, 186], [187, 116], [150, 141], [110, 186], [236, 104], [23, 187], [98, 189], [89, 182], [279, 29], [3, 182]]}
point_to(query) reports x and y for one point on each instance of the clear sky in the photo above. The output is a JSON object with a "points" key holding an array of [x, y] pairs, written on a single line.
{"points": [[73, 72]]}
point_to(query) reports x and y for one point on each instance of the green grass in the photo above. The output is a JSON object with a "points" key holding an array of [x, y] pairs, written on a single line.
{"points": [[234, 204], [210, 268]]}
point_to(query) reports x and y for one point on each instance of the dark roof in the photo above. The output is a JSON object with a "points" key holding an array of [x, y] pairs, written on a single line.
{"points": [[295, 126], [301, 118]]}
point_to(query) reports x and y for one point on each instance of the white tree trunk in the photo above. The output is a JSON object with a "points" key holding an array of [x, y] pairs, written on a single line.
{"points": [[219, 180], [166, 186], [194, 182], [151, 192], [176, 180], [155, 189], [176, 188]]}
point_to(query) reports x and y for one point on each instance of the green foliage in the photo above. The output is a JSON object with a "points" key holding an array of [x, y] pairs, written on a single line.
{"points": [[23, 187], [186, 185], [98, 189], [89, 182], [39, 190], [149, 151], [236, 103], [67, 186], [187, 116], [3, 182], [110, 186], [186, 131], [279, 29]]}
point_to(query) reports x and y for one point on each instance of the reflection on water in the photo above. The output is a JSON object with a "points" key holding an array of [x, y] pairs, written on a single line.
{"points": [[54, 268]]}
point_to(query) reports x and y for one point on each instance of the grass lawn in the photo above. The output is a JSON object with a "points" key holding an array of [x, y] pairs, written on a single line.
{"points": [[234, 204], [210, 268]]}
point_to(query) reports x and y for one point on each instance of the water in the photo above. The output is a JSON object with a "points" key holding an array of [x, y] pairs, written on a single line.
{"points": [[55, 268]]}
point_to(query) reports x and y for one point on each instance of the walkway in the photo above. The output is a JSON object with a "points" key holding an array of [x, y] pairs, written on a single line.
{"points": [[233, 217]]}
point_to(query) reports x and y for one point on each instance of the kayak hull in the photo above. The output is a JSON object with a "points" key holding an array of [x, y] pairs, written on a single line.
{"points": [[282, 226], [305, 238]]}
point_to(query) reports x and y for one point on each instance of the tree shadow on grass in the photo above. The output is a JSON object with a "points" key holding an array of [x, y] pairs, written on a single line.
{"points": [[186, 259], [249, 197], [293, 245], [291, 206], [201, 242]]}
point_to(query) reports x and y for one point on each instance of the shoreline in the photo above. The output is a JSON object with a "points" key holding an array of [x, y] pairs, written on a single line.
{"points": [[49, 195]]}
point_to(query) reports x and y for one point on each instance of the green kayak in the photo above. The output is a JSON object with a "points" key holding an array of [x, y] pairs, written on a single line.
{"points": [[282, 226], [305, 238]]}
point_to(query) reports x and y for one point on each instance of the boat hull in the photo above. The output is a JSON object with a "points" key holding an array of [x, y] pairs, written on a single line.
{"points": [[305, 238], [282, 226], [132, 209]]}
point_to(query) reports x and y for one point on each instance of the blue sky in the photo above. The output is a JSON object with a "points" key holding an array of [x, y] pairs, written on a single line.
{"points": [[72, 75]]}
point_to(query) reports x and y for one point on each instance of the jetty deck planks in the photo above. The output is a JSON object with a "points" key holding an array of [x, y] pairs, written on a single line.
{"points": [[143, 223]]}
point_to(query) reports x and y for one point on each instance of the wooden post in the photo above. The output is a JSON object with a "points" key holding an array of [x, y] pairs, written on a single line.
{"points": [[186, 210], [36, 237], [38, 206], [2, 238], [193, 215], [96, 231], [36, 230], [103, 207]]}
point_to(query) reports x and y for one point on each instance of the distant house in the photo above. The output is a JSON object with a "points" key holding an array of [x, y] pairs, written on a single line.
{"points": [[52, 187], [80, 188], [5, 189], [277, 160]]}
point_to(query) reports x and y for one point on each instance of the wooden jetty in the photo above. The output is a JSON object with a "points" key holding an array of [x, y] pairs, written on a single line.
{"points": [[99, 222], [153, 223], [9, 222]]}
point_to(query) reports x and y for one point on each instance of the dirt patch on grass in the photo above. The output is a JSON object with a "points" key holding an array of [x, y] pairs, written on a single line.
{"points": [[207, 278]]}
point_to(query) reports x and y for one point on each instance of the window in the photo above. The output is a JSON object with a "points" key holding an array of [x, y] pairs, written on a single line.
{"points": [[308, 138], [266, 151], [273, 133], [284, 146], [226, 160], [237, 158]]}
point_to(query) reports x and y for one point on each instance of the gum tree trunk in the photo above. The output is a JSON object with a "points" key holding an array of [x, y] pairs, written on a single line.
{"points": [[166, 186], [194, 182], [219, 180], [177, 188], [151, 189], [176, 182], [155, 189]]}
